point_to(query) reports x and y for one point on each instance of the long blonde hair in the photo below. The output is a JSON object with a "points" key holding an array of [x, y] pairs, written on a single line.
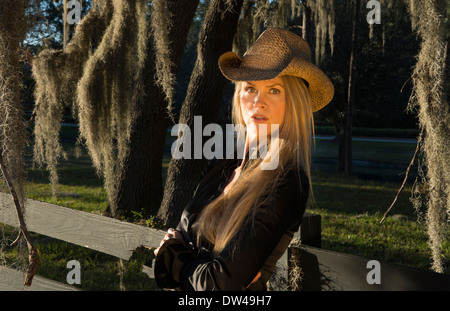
{"points": [[222, 218]]}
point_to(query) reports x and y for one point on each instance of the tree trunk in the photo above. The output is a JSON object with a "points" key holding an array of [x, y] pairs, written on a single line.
{"points": [[204, 98], [341, 148], [347, 137], [138, 182], [13, 132], [306, 26]]}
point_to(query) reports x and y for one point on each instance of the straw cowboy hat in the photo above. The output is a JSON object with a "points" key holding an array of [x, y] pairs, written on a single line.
{"points": [[279, 52]]}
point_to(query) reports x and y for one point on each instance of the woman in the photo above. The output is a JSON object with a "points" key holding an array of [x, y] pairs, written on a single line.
{"points": [[242, 217]]}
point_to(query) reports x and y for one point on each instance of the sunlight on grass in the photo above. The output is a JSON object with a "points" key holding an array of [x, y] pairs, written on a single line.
{"points": [[88, 199]]}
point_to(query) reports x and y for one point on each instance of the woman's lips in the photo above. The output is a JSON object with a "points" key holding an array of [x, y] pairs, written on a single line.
{"points": [[259, 118]]}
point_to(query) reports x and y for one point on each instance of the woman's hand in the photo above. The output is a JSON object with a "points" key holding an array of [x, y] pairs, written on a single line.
{"points": [[255, 279], [171, 234], [174, 234]]}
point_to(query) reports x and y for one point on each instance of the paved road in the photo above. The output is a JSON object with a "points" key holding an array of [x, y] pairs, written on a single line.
{"points": [[385, 140]]}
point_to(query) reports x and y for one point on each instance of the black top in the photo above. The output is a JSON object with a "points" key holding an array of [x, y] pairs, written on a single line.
{"points": [[188, 266]]}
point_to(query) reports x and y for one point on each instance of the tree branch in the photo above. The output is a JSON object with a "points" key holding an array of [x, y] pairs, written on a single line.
{"points": [[33, 258], [419, 142]]}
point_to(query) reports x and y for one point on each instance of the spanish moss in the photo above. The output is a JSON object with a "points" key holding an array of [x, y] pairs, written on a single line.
{"points": [[430, 100], [105, 90], [13, 134], [93, 75], [56, 73], [324, 18], [161, 25]]}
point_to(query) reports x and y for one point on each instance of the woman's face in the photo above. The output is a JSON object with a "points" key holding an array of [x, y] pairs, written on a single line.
{"points": [[262, 102]]}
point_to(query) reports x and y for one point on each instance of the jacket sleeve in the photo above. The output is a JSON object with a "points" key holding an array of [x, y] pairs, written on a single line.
{"points": [[234, 268]]}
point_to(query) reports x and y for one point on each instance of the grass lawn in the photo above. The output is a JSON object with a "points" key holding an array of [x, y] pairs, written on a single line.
{"points": [[351, 209]]}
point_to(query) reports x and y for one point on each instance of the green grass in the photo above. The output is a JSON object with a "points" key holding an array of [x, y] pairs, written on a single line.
{"points": [[90, 197], [99, 271], [351, 209]]}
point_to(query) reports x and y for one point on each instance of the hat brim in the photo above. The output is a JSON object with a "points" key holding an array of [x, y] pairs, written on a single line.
{"points": [[230, 65], [320, 86]]}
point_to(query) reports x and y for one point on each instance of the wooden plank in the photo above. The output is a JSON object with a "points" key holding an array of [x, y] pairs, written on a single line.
{"points": [[115, 237], [12, 280], [103, 234], [331, 271]]}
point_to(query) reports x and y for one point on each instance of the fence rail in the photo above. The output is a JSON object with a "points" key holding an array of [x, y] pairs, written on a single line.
{"points": [[321, 269], [103, 234], [12, 280]]}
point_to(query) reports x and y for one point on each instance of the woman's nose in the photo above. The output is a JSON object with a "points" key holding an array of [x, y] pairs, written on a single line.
{"points": [[259, 101]]}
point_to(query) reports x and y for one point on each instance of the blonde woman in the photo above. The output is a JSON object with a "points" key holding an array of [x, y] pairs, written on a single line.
{"points": [[242, 217]]}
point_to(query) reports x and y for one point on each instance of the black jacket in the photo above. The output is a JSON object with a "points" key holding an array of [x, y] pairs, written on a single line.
{"points": [[187, 266]]}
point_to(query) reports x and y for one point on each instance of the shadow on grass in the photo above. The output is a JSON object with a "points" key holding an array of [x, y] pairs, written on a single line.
{"points": [[68, 175]]}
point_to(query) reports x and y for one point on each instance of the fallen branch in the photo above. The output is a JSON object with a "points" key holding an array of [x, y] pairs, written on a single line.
{"points": [[419, 142], [33, 257]]}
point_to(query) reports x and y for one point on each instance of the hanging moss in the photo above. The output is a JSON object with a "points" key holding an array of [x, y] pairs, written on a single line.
{"points": [[56, 73], [105, 90], [94, 76], [324, 19], [13, 135], [430, 100], [14, 24], [256, 15], [161, 24]]}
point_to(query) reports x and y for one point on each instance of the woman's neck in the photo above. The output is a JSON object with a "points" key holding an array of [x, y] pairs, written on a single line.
{"points": [[235, 175]]}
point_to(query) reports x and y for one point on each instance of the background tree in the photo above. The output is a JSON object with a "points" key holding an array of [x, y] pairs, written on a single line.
{"points": [[384, 60], [204, 97], [13, 133], [345, 148], [306, 23], [140, 171]]}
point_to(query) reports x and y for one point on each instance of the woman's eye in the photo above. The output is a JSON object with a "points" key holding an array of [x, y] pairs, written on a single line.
{"points": [[250, 89], [275, 91]]}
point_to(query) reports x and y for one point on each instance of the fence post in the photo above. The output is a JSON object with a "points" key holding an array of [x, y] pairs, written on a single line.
{"points": [[310, 233]]}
